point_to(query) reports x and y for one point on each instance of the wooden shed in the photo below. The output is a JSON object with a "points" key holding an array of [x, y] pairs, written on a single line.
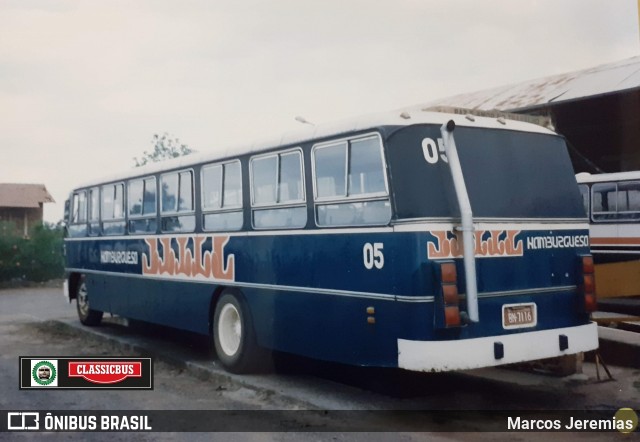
{"points": [[22, 204]]}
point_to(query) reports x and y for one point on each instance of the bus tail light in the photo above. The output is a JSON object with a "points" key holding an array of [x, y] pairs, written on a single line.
{"points": [[589, 284], [448, 302]]}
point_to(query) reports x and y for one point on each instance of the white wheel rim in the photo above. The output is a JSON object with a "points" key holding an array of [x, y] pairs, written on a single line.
{"points": [[229, 329], [83, 300]]}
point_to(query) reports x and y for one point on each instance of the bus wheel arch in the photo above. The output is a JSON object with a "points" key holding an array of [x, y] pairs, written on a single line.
{"points": [[232, 333], [86, 314], [74, 281]]}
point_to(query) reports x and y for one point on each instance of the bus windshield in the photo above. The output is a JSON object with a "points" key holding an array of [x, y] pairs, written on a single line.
{"points": [[508, 174]]}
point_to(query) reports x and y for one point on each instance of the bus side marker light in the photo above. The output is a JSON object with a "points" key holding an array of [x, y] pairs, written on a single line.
{"points": [[498, 350], [371, 311], [590, 303], [587, 264], [589, 284]]}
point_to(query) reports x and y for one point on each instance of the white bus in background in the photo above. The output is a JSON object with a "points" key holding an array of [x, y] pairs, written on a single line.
{"points": [[612, 203]]}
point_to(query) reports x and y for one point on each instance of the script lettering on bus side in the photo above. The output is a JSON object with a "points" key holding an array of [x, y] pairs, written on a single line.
{"points": [[557, 242], [488, 243], [190, 262], [118, 257]]}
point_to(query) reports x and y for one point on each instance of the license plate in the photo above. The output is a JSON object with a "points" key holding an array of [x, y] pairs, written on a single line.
{"points": [[519, 315]]}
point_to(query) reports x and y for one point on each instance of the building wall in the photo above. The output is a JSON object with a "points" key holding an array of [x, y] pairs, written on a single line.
{"points": [[17, 216]]}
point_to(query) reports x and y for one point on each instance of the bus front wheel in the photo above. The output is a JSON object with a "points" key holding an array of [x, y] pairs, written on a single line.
{"points": [[87, 315], [233, 336]]}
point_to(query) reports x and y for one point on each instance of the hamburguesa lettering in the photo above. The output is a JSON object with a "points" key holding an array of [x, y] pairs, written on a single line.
{"points": [[189, 262]]}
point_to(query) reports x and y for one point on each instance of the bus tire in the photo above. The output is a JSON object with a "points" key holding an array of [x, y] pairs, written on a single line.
{"points": [[233, 335], [87, 315]]}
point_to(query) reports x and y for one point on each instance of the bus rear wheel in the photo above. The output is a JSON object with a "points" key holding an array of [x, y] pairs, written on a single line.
{"points": [[233, 335], [87, 315]]}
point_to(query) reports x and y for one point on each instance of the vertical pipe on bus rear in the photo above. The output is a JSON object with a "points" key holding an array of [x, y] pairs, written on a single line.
{"points": [[466, 215]]}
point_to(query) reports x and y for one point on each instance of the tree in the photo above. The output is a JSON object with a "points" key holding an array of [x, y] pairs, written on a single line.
{"points": [[164, 147], [38, 258]]}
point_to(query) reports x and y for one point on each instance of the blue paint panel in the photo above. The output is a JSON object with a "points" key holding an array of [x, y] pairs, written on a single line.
{"points": [[308, 291], [333, 325]]}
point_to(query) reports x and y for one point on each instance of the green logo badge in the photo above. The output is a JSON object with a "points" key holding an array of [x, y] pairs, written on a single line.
{"points": [[44, 373]]}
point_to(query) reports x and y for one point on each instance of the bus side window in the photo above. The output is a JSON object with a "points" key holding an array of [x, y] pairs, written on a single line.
{"points": [[350, 183], [78, 225], [222, 197], [277, 191], [94, 211], [177, 208], [142, 205], [112, 209], [79, 208], [331, 170]]}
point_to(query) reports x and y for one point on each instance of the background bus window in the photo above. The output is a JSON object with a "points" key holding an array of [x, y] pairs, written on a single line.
{"points": [[177, 202], [142, 205], [112, 209], [277, 180], [222, 197], [362, 158], [603, 201], [628, 200]]}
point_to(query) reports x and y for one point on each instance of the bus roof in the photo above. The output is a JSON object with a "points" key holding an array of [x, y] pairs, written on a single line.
{"points": [[584, 177], [313, 132]]}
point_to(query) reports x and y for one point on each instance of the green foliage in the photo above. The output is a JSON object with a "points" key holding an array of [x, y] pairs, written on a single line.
{"points": [[38, 258], [164, 147]]}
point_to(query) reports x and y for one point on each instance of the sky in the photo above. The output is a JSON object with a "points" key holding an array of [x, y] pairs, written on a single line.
{"points": [[85, 84]]}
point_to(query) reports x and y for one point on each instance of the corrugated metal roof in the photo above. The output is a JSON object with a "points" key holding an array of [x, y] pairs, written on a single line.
{"points": [[24, 195], [599, 80]]}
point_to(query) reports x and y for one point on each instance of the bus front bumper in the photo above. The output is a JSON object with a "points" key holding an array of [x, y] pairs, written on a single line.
{"points": [[466, 354]]}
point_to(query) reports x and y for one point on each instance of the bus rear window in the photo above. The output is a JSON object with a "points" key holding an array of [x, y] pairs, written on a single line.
{"points": [[508, 174]]}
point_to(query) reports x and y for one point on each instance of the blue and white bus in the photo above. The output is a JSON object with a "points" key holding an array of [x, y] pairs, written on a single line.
{"points": [[612, 202], [428, 241]]}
